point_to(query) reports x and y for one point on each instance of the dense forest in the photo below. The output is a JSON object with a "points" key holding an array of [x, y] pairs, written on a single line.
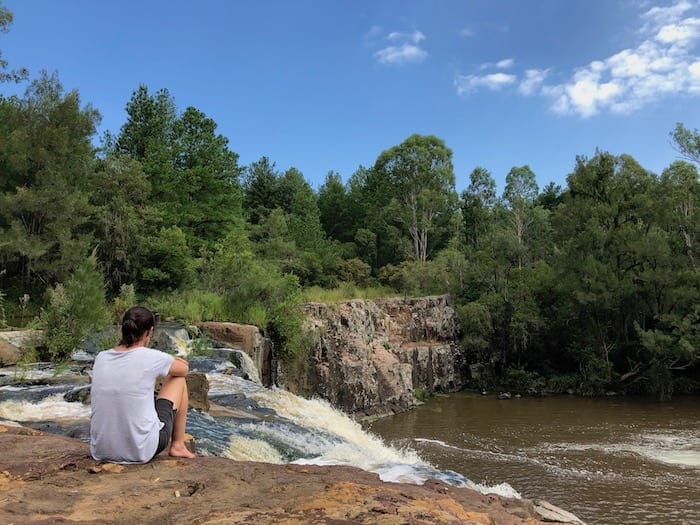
{"points": [[590, 287]]}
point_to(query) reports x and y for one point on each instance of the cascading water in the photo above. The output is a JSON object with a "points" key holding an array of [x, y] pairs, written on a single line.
{"points": [[251, 423]]}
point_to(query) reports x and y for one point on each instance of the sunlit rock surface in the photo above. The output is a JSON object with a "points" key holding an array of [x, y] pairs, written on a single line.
{"points": [[47, 478], [371, 357]]}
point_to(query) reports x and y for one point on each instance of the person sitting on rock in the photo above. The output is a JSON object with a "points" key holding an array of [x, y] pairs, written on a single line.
{"points": [[126, 425]]}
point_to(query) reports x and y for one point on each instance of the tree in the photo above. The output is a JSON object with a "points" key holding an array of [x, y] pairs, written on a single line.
{"points": [[47, 161], [260, 190], [420, 175], [124, 216], [520, 194], [207, 198], [336, 209], [687, 142], [17, 75], [477, 202], [192, 173]]}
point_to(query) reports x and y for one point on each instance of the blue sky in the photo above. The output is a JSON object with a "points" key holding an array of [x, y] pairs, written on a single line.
{"points": [[328, 84]]}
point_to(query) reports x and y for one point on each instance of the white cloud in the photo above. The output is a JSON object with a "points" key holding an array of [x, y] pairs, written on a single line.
{"points": [[664, 63], [414, 37], [534, 78], [466, 33], [664, 15], [495, 81], [405, 48], [505, 63]]}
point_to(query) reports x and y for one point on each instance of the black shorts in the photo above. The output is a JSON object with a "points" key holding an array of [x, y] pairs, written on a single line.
{"points": [[166, 413]]}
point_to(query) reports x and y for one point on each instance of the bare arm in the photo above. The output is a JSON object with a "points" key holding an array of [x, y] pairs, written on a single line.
{"points": [[179, 368]]}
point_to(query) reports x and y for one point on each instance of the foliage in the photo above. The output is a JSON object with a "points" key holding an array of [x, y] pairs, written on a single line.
{"points": [[344, 292], [200, 346], [189, 305], [47, 158], [589, 287], [6, 19], [74, 311], [523, 381], [120, 304]]}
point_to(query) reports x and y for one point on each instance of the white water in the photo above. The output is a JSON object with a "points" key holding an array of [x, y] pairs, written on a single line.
{"points": [[678, 448], [287, 429], [53, 407], [323, 435]]}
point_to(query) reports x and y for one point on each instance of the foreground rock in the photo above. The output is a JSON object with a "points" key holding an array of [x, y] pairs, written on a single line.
{"points": [[49, 479]]}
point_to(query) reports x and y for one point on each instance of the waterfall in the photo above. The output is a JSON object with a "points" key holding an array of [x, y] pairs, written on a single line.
{"points": [[252, 423]]}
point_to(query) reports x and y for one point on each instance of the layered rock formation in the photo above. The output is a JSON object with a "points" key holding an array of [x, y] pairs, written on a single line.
{"points": [[372, 357], [246, 338]]}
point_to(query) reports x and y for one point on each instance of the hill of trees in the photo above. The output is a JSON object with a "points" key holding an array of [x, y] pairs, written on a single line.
{"points": [[589, 287]]}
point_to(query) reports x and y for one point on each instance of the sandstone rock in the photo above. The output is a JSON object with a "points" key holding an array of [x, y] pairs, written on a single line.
{"points": [[369, 357], [247, 338], [51, 479], [22, 339], [9, 353], [198, 390]]}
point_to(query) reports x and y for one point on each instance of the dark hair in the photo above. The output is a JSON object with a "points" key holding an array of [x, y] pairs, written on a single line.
{"points": [[137, 321]]}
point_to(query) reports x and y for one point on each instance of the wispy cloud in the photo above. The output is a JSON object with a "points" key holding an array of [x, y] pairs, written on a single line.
{"points": [[469, 83], [532, 82], [664, 63], [466, 32], [403, 48]]}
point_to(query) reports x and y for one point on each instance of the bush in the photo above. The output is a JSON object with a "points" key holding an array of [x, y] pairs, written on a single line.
{"points": [[523, 381], [125, 300], [191, 306], [74, 311]]}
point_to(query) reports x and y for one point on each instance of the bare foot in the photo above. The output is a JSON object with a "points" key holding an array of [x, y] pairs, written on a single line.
{"points": [[179, 450]]}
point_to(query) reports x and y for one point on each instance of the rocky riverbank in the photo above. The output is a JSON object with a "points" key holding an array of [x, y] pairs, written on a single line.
{"points": [[47, 478]]}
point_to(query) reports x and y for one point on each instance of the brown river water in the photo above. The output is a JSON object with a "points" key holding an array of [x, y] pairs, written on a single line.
{"points": [[610, 461]]}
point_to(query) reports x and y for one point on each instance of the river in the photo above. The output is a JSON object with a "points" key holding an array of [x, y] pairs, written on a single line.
{"points": [[609, 461]]}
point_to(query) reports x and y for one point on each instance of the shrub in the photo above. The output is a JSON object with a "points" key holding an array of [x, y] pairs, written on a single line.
{"points": [[74, 310], [191, 306], [125, 300]]}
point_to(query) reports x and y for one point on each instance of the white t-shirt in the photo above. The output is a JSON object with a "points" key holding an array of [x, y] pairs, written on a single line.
{"points": [[124, 425]]}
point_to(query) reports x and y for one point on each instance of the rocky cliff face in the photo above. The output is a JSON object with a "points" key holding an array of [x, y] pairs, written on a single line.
{"points": [[371, 357]]}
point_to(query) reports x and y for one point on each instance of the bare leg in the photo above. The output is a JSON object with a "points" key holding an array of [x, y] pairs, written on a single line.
{"points": [[175, 389]]}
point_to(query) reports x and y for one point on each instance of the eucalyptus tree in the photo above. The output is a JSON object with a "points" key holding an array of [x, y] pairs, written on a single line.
{"points": [[519, 194], [6, 75], [687, 142], [421, 179], [478, 201]]}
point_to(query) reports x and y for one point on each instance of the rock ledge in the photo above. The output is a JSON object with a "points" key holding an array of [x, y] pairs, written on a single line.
{"points": [[49, 479]]}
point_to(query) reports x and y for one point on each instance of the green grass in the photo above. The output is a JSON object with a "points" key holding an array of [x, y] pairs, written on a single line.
{"points": [[191, 306], [345, 292]]}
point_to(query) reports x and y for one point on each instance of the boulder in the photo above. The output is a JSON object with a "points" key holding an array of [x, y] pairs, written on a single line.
{"points": [[198, 390], [247, 338], [9, 353]]}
